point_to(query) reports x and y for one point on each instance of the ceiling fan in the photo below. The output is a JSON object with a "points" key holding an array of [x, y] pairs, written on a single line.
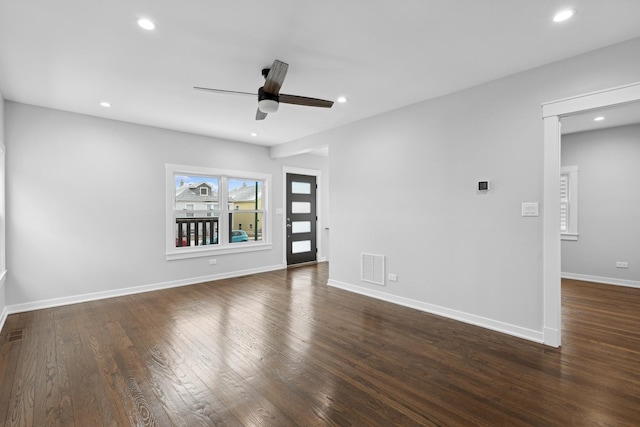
{"points": [[269, 96]]}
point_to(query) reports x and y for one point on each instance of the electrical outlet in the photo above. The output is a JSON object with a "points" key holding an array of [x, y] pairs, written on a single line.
{"points": [[622, 264], [213, 261], [392, 277]]}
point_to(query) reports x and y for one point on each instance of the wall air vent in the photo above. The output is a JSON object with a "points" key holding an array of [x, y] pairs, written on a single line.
{"points": [[372, 269]]}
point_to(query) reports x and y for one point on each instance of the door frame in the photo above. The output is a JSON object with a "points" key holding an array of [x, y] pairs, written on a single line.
{"points": [[552, 112], [301, 171]]}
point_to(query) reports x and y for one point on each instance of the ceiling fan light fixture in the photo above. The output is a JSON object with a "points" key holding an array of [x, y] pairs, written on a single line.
{"points": [[268, 105], [267, 102]]}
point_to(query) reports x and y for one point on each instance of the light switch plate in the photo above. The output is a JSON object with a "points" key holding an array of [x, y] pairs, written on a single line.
{"points": [[530, 209]]}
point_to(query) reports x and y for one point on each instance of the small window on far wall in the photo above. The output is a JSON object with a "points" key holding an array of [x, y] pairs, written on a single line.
{"points": [[569, 203]]}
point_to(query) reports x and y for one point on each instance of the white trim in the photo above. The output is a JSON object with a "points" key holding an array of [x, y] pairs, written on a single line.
{"points": [[551, 337], [605, 280], [5, 312], [3, 317], [551, 231], [199, 251], [551, 112], [472, 319], [594, 100], [310, 172], [569, 236], [57, 302]]}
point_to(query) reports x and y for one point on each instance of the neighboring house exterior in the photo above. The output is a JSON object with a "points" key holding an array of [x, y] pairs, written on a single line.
{"points": [[244, 201], [196, 197], [202, 196]]}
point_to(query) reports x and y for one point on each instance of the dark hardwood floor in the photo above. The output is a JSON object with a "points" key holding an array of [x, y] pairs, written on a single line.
{"points": [[282, 348]]}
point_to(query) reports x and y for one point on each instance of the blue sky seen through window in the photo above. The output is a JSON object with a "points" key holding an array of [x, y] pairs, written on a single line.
{"points": [[213, 182]]}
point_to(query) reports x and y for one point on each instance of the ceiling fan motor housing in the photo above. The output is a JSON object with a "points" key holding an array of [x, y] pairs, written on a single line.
{"points": [[267, 102], [270, 98]]}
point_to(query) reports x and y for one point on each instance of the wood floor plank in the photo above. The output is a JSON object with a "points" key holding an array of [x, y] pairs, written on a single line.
{"points": [[86, 387], [9, 358], [21, 408], [65, 401], [47, 400], [283, 349], [148, 362]]}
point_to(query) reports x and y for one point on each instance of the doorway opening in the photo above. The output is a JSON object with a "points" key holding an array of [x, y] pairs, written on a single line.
{"points": [[552, 113]]}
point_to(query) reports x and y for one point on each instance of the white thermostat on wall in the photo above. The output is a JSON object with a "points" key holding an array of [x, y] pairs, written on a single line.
{"points": [[530, 209]]}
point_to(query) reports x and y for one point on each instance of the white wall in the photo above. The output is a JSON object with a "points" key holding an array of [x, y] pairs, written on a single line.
{"points": [[609, 205], [3, 299], [403, 185], [86, 205]]}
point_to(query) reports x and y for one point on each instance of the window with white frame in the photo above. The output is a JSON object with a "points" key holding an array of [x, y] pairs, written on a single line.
{"points": [[569, 203], [215, 211]]}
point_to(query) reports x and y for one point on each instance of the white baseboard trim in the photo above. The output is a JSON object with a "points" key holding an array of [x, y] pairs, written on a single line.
{"points": [[605, 280], [472, 319], [552, 337], [3, 298], [57, 302], [3, 317]]}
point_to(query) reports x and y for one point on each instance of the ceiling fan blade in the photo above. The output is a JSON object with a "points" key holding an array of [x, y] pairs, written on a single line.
{"points": [[228, 92], [275, 77], [260, 115], [303, 100]]}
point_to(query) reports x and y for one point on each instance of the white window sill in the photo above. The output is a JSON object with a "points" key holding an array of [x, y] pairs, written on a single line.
{"points": [[569, 236], [200, 251]]}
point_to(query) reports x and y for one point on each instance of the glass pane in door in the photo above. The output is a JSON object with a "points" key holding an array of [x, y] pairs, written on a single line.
{"points": [[300, 207], [301, 227], [300, 187], [301, 246]]}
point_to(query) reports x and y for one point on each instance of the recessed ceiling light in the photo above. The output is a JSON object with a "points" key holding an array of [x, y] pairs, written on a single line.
{"points": [[342, 99], [599, 118], [147, 24], [254, 134], [105, 104], [563, 15]]}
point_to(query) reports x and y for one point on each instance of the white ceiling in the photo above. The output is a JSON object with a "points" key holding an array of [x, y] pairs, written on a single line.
{"points": [[381, 55], [623, 115]]}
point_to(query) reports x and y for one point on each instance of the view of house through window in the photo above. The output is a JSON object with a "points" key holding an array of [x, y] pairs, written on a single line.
{"points": [[217, 210], [245, 206], [196, 210]]}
